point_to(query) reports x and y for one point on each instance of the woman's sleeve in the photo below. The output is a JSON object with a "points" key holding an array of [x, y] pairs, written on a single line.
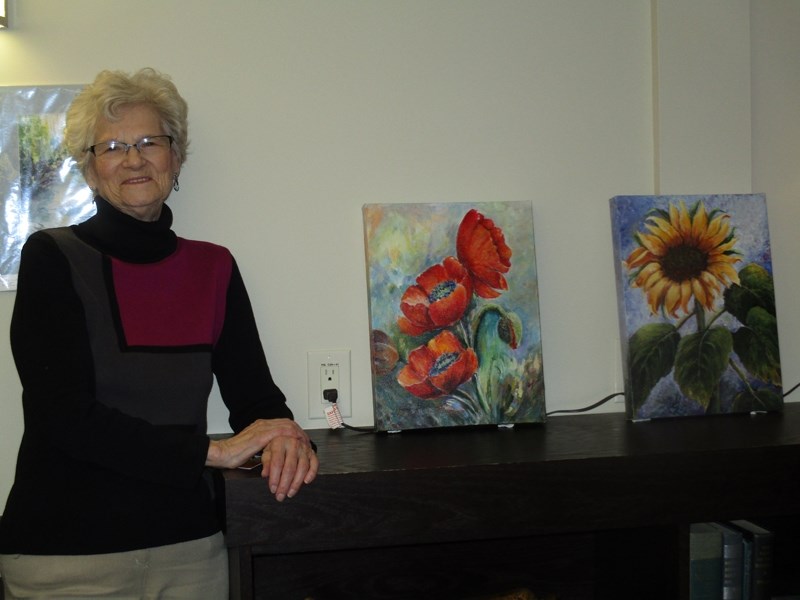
{"points": [[240, 365], [50, 344]]}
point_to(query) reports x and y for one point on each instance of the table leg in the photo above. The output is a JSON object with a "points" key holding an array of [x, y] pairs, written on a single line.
{"points": [[240, 573]]}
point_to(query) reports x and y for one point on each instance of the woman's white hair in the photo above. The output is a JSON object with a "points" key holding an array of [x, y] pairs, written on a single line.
{"points": [[113, 91]]}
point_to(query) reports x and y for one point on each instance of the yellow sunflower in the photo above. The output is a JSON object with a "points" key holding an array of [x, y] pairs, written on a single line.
{"points": [[684, 254]]}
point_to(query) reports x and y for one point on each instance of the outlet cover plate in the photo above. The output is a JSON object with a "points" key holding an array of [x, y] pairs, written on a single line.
{"points": [[316, 361]]}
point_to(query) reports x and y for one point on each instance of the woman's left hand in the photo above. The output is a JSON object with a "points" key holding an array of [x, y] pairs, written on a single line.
{"points": [[287, 463]]}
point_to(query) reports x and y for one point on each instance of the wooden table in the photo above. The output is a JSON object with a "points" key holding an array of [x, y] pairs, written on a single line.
{"points": [[582, 506]]}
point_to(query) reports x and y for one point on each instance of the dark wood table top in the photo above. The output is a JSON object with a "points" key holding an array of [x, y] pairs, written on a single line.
{"points": [[574, 473]]}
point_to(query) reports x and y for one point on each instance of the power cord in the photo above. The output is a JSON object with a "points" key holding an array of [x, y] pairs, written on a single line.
{"points": [[586, 408], [334, 416], [360, 429], [610, 396]]}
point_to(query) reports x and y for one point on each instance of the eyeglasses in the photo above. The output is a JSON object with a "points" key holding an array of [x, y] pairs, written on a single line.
{"points": [[148, 147]]}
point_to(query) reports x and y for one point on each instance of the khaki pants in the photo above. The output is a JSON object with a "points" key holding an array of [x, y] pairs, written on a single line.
{"points": [[186, 571]]}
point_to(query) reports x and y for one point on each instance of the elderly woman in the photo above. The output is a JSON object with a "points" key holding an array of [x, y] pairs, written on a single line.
{"points": [[118, 330]]}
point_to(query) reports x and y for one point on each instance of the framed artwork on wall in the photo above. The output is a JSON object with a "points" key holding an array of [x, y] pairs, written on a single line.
{"points": [[454, 315], [40, 186], [696, 305]]}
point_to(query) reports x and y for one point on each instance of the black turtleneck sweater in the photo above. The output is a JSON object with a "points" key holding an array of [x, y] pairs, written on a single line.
{"points": [[119, 328]]}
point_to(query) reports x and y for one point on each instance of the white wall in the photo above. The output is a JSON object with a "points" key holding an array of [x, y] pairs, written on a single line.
{"points": [[776, 159], [701, 56], [303, 110]]}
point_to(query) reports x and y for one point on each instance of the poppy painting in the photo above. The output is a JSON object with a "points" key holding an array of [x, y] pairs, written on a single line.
{"points": [[455, 336], [696, 305]]}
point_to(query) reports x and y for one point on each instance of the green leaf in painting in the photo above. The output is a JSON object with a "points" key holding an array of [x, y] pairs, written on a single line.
{"points": [[700, 362], [762, 399], [755, 288], [515, 390], [651, 355], [495, 331], [756, 344]]}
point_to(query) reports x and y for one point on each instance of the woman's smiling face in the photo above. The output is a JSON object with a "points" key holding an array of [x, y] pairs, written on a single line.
{"points": [[135, 184]]}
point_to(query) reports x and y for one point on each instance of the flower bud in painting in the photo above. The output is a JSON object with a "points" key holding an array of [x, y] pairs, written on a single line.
{"points": [[384, 353]]}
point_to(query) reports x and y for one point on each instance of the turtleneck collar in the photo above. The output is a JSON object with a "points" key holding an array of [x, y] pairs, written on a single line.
{"points": [[124, 237]]}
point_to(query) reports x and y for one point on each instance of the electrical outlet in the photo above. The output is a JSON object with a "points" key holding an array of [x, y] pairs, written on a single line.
{"points": [[328, 370], [329, 381]]}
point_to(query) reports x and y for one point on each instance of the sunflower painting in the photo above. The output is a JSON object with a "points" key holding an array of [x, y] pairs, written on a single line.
{"points": [[454, 315], [697, 305]]}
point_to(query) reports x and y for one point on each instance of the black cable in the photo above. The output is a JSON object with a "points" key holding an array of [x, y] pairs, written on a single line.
{"points": [[610, 396], [796, 385], [361, 429], [584, 409]]}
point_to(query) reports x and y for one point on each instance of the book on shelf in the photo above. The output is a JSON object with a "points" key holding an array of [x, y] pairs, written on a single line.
{"points": [[705, 562], [757, 550], [732, 562]]}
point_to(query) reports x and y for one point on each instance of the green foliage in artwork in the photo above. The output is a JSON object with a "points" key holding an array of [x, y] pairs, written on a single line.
{"points": [[41, 155], [506, 384], [752, 302], [757, 345], [700, 361], [34, 138], [651, 355], [511, 385], [755, 288], [762, 400]]}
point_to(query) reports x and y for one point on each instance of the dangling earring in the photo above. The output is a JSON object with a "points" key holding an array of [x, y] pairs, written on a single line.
{"points": [[175, 185]]}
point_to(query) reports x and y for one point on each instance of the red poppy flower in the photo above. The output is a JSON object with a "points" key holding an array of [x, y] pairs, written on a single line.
{"points": [[439, 367], [482, 249], [439, 298]]}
